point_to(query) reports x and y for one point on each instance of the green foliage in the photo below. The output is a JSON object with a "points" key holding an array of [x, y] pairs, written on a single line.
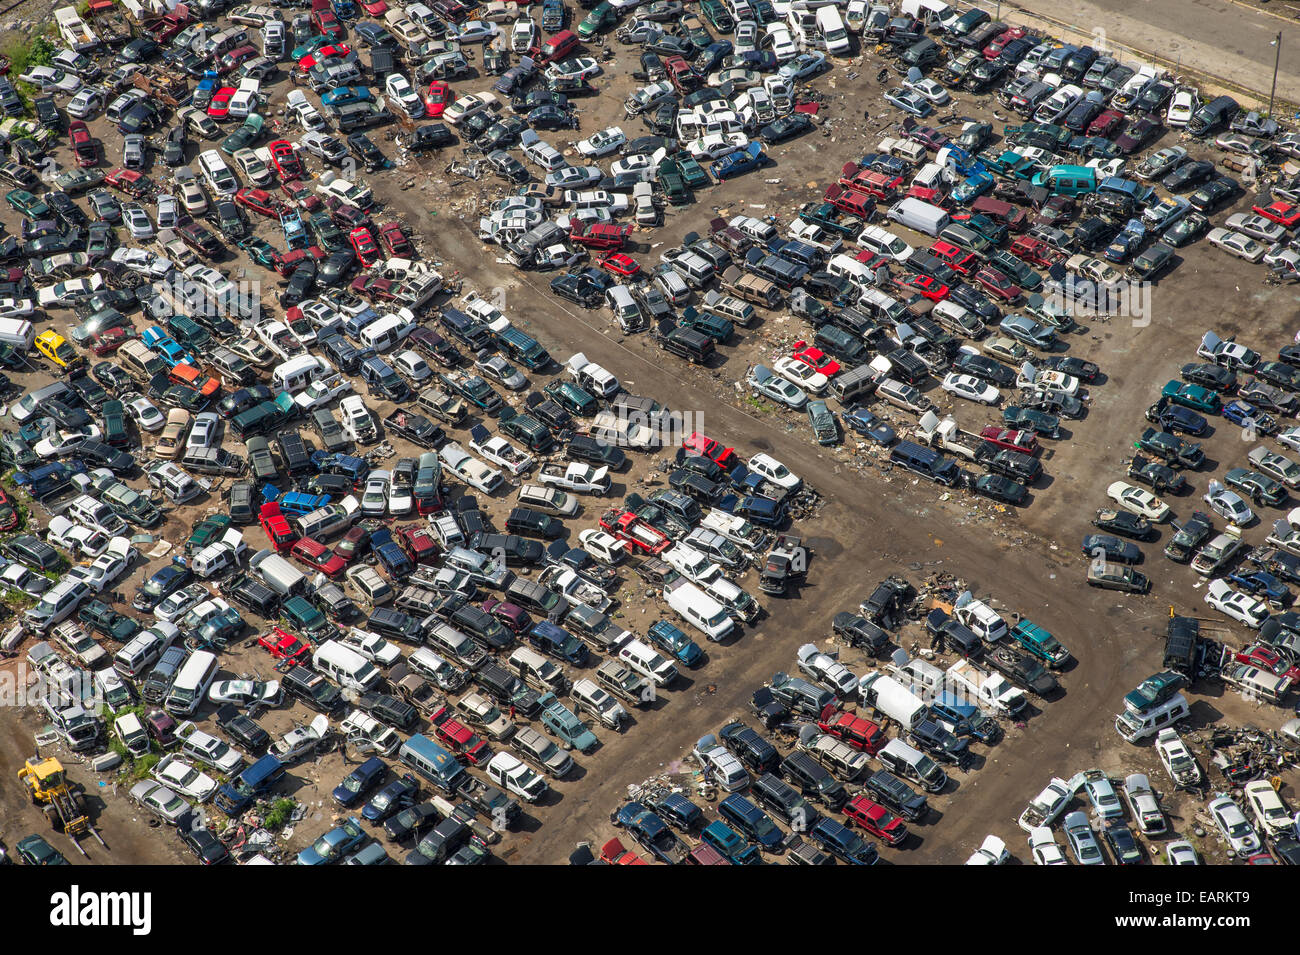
{"points": [[279, 814]]}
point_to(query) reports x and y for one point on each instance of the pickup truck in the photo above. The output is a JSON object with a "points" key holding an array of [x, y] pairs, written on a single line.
{"points": [[439, 404], [1023, 669], [1171, 449], [489, 801], [576, 477], [499, 451], [625, 525], [947, 436], [990, 690], [415, 428]]}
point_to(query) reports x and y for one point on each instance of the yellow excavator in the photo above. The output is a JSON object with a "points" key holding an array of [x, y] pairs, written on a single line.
{"points": [[47, 785]]}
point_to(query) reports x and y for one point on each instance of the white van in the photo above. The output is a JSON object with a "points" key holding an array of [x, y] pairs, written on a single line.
{"points": [[620, 301], [833, 36], [17, 332], [645, 660], [910, 763], [143, 650], [277, 573], [846, 266], [345, 666], [888, 696], [219, 556], [1134, 727], [297, 373], [387, 332], [919, 216], [699, 609], [191, 685]]}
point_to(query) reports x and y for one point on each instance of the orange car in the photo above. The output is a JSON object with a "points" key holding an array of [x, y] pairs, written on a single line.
{"points": [[186, 374]]}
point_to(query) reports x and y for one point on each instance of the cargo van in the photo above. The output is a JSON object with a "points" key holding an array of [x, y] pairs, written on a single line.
{"points": [[432, 762], [926, 462], [910, 763], [388, 332], [844, 266], [893, 699], [919, 216], [280, 575], [697, 608], [297, 373], [191, 685], [345, 667], [18, 333], [833, 37]]}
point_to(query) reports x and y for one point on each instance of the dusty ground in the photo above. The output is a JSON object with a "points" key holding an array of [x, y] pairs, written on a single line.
{"points": [[872, 523]]}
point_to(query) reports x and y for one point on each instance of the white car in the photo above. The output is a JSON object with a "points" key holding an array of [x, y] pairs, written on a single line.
{"points": [[254, 168], [1044, 848], [300, 740], [307, 115], [58, 443], [827, 671], [371, 646], [1235, 243], [1181, 852], [87, 103], [469, 469], [185, 779], [374, 499], [108, 567], [77, 538], [523, 34], [1182, 105], [1046, 806], [927, 89], [776, 472], [970, 388], [49, 80], [467, 106], [1138, 500], [146, 263], [209, 750], [322, 391], [1228, 504], [1290, 437], [992, 851], [1233, 825], [799, 372], [575, 68], [404, 96], [16, 307], [779, 41], [603, 143], [1243, 608], [246, 693], [1144, 805], [1270, 811], [716, 145], [401, 499], [145, 414], [179, 603], [345, 190], [1177, 759], [246, 98], [603, 546]]}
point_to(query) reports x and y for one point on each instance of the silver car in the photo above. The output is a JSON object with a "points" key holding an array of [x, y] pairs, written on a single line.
{"points": [[1083, 843], [161, 801]]}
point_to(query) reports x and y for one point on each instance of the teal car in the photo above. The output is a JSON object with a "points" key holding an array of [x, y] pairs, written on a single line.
{"points": [[243, 137], [1040, 643], [564, 724], [311, 46], [573, 399], [716, 327], [693, 174], [346, 95], [1192, 396], [731, 844], [259, 250], [27, 204], [673, 183], [824, 424]]}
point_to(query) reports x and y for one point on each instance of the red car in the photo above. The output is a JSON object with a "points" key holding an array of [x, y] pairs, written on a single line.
{"points": [[439, 98], [929, 287], [715, 451], [283, 645], [219, 108], [1106, 124], [850, 201], [418, 544], [460, 739], [134, 184], [276, 526], [9, 516], [326, 23], [615, 853], [1266, 658], [857, 732], [83, 144], [620, 264], [287, 162], [1283, 213], [1006, 36], [598, 235], [374, 287], [260, 201], [817, 358], [376, 8], [319, 557], [997, 284], [1010, 439], [395, 241], [339, 51], [1034, 251], [875, 819], [110, 340], [957, 258], [363, 243]]}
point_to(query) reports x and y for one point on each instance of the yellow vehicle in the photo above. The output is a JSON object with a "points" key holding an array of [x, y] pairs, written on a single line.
{"points": [[58, 350], [47, 784]]}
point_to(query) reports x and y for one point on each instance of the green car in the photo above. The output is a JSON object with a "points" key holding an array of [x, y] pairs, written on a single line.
{"points": [[825, 426], [692, 173], [1260, 488], [1192, 396], [113, 416], [601, 18], [206, 531], [673, 183], [706, 323], [328, 235], [34, 850], [27, 204], [572, 399], [247, 134], [259, 250], [718, 16]]}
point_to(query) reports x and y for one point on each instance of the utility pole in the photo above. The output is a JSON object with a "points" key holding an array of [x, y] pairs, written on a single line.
{"points": [[1276, 59]]}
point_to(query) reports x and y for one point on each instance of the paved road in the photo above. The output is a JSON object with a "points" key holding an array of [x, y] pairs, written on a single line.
{"points": [[1216, 36]]}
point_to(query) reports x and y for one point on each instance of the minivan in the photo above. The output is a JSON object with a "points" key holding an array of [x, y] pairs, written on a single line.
{"points": [[234, 797], [813, 779], [910, 763], [346, 667], [190, 687]]}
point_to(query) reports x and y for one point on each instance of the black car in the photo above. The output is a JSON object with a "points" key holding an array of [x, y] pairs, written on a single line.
{"points": [[229, 219], [336, 267], [1070, 365], [364, 148], [985, 369], [204, 845], [928, 735], [578, 289], [1122, 844], [411, 821], [241, 728], [390, 710], [1212, 195], [551, 117], [47, 111], [1022, 669], [517, 551], [858, 631], [583, 447], [1123, 522], [750, 747], [1001, 489], [432, 136], [786, 127], [1188, 175], [173, 153], [301, 282], [1215, 377], [1109, 547]]}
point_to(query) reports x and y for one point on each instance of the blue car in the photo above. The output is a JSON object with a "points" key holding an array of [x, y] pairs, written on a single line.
{"points": [[334, 845], [843, 843], [1127, 242], [972, 187], [390, 554], [393, 798], [557, 642], [347, 94], [869, 424], [359, 782], [651, 832], [300, 502], [672, 640], [739, 162], [1246, 415], [1263, 585], [1176, 418]]}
